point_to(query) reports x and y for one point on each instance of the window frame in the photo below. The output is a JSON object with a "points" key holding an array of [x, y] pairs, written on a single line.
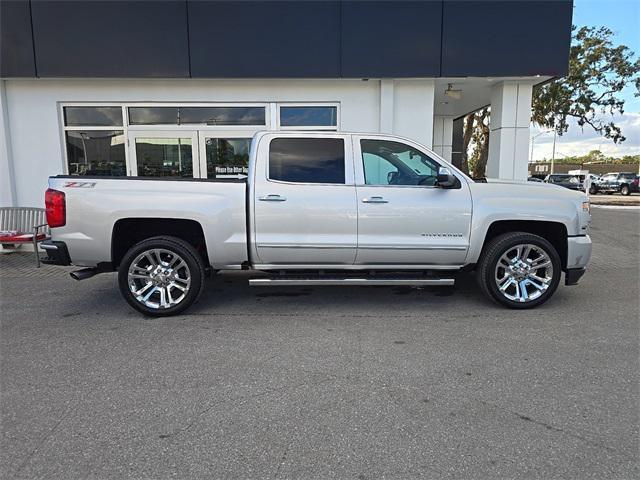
{"points": [[335, 105], [349, 179], [64, 129], [272, 123]]}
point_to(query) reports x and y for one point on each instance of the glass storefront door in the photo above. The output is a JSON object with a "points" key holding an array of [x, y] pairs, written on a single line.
{"points": [[164, 154], [187, 153], [224, 154]]}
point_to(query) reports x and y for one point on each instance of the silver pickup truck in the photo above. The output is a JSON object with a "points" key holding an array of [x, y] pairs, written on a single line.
{"points": [[320, 208]]}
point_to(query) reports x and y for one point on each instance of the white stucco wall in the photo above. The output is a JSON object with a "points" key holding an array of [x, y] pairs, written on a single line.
{"points": [[35, 149]]}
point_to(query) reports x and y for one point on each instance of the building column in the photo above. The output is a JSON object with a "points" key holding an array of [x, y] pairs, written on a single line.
{"points": [[406, 109], [386, 106], [509, 130], [7, 180], [443, 136]]}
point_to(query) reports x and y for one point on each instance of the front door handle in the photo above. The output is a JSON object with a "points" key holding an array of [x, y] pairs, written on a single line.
{"points": [[374, 200], [273, 198]]}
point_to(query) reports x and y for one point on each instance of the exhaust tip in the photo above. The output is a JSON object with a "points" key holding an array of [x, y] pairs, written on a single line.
{"points": [[83, 273]]}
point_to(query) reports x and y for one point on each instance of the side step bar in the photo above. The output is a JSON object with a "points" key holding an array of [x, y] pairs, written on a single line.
{"points": [[276, 282]]}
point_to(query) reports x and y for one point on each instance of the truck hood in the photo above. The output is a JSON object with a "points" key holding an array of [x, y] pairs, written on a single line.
{"points": [[525, 188]]}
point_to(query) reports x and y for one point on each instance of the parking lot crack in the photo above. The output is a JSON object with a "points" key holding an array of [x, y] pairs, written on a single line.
{"points": [[562, 431], [282, 460]]}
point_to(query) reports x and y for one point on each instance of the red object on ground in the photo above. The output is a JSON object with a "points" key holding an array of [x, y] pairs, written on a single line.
{"points": [[20, 237]]}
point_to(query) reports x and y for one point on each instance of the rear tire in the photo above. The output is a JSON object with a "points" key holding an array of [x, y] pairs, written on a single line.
{"points": [[161, 276], [519, 270]]}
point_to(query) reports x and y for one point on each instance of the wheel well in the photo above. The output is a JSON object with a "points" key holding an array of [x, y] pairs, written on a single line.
{"points": [[129, 231], [554, 232]]}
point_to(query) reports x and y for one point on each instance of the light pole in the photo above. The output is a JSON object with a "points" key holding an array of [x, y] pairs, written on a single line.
{"points": [[553, 154], [533, 139]]}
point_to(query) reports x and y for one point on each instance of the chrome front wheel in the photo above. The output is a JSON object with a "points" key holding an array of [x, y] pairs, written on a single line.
{"points": [[519, 269], [523, 273]]}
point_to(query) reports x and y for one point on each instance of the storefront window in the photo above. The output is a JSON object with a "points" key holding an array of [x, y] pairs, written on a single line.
{"points": [[96, 152], [201, 140], [301, 116], [231, 116], [93, 116]]}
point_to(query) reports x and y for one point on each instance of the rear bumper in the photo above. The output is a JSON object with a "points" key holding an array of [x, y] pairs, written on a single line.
{"points": [[57, 253]]}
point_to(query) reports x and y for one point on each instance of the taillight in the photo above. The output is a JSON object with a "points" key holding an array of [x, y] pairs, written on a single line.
{"points": [[56, 207]]}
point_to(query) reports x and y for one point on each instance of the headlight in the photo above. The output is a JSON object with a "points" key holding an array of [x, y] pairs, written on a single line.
{"points": [[586, 207]]}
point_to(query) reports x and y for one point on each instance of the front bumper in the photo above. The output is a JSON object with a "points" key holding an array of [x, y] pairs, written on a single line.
{"points": [[578, 256], [573, 275], [57, 253]]}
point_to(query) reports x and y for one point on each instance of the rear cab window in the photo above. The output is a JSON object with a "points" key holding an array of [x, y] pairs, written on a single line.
{"points": [[307, 160]]}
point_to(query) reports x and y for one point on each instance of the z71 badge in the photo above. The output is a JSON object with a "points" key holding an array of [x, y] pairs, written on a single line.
{"points": [[80, 184]]}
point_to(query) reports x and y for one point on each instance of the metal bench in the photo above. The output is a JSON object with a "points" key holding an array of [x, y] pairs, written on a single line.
{"points": [[21, 225]]}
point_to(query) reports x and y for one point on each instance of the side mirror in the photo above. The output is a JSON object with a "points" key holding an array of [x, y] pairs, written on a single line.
{"points": [[392, 177], [445, 178]]}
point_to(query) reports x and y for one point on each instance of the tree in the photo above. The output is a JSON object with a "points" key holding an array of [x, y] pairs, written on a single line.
{"points": [[479, 126], [598, 72]]}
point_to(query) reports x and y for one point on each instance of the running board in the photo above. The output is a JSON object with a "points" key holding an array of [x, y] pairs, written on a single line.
{"points": [[275, 282]]}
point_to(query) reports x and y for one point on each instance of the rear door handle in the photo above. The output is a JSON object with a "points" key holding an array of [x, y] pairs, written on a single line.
{"points": [[374, 200], [273, 198]]}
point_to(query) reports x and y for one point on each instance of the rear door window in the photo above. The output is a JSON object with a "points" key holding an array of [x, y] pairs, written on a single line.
{"points": [[307, 160]]}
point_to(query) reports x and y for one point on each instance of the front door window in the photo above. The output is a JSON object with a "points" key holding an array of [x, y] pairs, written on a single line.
{"points": [[394, 163]]}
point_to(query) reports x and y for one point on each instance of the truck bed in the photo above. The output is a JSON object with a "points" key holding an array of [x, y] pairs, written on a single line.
{"points": [[96, 204]]}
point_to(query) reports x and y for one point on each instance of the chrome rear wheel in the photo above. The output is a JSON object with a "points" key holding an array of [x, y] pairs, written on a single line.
{"points": [[159, 278]]}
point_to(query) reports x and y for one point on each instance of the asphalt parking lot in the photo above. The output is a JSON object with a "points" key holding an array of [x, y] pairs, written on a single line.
{"points": [[361, 383]]}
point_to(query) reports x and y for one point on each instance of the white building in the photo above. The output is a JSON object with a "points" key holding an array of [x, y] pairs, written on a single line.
{"points": [[69, 107]]}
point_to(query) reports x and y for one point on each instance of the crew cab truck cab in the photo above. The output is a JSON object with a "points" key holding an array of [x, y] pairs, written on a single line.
{"points": [[321, 208]]}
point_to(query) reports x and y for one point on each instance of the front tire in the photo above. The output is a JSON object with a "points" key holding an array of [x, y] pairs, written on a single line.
{"points": [[519, 270], [161, 276], [593, 190], [625, 190]]}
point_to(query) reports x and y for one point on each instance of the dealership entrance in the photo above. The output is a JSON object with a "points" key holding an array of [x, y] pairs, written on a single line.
{"points": [[189, 153]]}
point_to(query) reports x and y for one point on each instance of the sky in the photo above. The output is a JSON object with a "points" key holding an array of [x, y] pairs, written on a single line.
{"points": [[623, 18]]}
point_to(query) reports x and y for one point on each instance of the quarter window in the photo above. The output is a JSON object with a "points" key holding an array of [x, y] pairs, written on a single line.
{"points": [[307, 160], [394, 163]]}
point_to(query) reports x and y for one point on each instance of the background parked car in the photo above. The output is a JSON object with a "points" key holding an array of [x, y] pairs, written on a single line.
{"points": [[594, 180], [625, 183], [564, 180]]}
